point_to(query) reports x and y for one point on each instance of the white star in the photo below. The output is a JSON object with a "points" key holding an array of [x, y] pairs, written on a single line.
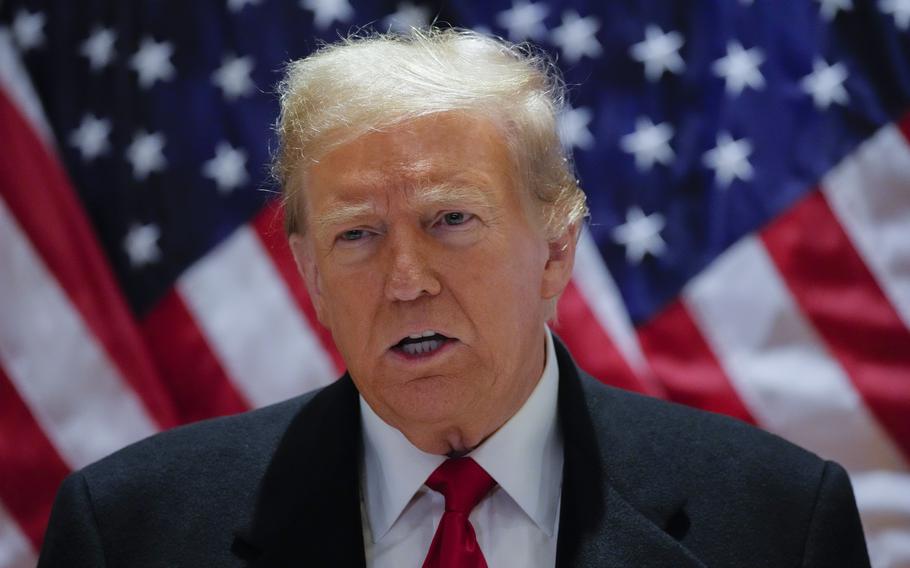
{"points": [[899, 9], [227, 168], [91, 137], [576, 36], [153, 62], [640, 234], [524, 20], [233, 77], [572, 125], [830, 8], [99, 47], [650, 143], [327, 11], [729, 159], [141, 244], [28, 30], [237, 5], [739, 68], [408, 16], [826, 84], [146, 154], [659, 52]]}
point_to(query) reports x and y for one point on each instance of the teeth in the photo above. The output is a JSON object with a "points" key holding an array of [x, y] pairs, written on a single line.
{"points": [[427, 333], [422, 347]]}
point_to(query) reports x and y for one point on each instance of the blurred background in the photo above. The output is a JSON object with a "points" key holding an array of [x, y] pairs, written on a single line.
{"points": [[747, 164]]}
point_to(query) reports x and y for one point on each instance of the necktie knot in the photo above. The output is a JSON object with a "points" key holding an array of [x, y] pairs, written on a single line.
{"points": [[462, 482]]}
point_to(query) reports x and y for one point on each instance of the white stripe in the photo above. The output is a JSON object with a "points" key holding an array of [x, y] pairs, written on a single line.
{"points": [[869, 193], [884, 505], [67, 380], [885, 496], [243, 307], [777, 363], [595, 283], [889, 548], [17, 85], [15, 549]]}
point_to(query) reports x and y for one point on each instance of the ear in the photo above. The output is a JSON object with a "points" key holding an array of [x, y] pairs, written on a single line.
{"points": [[561, 260], [304, 257]]}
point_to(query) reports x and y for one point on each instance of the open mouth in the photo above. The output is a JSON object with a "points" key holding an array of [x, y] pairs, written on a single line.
{"points": [[422, 344]]}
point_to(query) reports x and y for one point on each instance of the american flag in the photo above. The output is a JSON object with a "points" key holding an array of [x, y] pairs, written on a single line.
{"points": [[747, 164]]}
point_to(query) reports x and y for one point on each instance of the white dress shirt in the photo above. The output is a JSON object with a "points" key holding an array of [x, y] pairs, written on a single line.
{"points": [[516, 524]]}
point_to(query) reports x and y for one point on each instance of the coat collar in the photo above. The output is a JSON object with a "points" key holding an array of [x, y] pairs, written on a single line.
{"points": [[308, 510], [609, 516]]}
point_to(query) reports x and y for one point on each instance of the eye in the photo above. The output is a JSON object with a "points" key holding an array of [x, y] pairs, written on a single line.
{"points": [[455, 218], [352, 235]]}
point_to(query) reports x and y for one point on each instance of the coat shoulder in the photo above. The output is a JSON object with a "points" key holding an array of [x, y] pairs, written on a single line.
{"points": [[671, 434], [219, 446], [186, 489], [736, 488]]}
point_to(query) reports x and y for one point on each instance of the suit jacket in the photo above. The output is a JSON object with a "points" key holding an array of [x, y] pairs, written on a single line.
{"points": [[646, 483]]}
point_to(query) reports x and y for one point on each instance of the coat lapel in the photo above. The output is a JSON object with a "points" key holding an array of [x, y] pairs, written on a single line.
{"points": [[308, 512], [599, 525]]}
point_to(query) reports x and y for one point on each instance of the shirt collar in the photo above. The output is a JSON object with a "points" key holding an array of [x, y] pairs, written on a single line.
{"points": [[524, 456]]}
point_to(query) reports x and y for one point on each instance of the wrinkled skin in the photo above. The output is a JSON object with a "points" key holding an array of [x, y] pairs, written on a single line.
{"points": [[421, 226]]}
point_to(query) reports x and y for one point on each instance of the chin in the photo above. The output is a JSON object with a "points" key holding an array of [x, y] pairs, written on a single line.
{"points": [[432, 401]]}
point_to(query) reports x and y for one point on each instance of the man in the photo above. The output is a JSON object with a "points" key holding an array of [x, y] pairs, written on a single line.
{"points": [[433, 217]]}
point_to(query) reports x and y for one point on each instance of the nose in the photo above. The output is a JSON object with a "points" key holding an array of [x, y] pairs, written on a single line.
{"points": [[409, 274]]}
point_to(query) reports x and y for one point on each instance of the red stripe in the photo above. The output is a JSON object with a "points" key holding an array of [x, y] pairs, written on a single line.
{"points": [[686, 366], [591, 347], [198, 384], [904, 126], [38, 193], [846, 306], [268, 226], [31, 470]]}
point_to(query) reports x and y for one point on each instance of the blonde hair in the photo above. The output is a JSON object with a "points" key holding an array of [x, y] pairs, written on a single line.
{"points": [[365, 83]]}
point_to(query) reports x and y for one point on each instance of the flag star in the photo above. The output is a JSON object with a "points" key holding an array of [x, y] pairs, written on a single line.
{"points": [[640, 235], [524, 20], [227, 168], [649, 143], [830, 8], [91, 137], [233, 77], [572, 126], [659, 52], [99, 48], [238, 5], [729, 159], [327, 11], [899, 10], [28, 30], [408, 16], [739, 68], [153, 62], [141, 244], [826, 84], [576, 36], [146, 154]]}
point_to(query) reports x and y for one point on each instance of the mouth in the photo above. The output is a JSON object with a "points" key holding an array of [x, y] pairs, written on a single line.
{"points": [[422, 345]]}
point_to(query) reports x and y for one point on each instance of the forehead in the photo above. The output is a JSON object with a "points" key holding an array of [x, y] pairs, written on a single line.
{"points": [[446, 149]]}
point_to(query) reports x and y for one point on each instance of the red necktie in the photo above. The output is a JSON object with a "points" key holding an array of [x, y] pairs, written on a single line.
{"points": [[463, 483]]}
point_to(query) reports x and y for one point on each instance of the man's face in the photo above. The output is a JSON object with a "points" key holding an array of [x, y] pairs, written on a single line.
{"points": [[430, 268]]}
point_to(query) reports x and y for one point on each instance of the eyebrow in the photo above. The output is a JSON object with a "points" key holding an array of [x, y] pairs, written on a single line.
{"points": [[446, 194]]}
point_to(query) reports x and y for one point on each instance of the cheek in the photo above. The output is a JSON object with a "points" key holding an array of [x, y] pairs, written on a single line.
{"points": [[349, 302]]}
